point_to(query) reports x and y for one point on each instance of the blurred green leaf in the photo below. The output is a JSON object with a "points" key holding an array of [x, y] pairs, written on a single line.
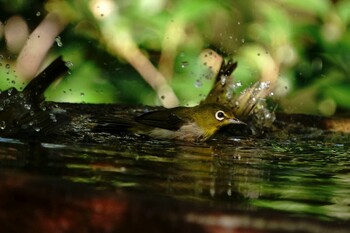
{"points": [[340, 94], [83, 85], [310, 6], [343, 9]]}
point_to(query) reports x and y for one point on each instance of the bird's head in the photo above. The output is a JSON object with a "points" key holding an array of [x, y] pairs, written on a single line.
{"points": [[211, 117]]}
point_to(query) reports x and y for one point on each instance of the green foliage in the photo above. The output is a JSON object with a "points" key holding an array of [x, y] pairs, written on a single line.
{"points": [[306, 42]]}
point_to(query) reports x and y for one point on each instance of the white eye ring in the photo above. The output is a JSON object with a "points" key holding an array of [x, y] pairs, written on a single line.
{"points": [[220, 115]]}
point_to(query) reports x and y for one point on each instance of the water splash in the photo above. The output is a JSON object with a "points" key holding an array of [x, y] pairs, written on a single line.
{"points": [[252, 102], [58, 41], [2, 125]]}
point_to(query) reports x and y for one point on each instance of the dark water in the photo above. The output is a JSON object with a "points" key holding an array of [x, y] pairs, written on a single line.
{"points": [[297, 175]]}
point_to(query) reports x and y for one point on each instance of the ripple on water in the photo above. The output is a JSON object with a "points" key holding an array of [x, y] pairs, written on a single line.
{"points": [[296, 176]]}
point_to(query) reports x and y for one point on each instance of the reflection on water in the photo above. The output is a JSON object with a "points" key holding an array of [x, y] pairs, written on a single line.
{"points": [[302, 177]]}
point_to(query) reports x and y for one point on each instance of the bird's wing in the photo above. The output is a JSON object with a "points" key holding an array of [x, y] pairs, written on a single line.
{"points": [[110, 124], [161, 119]]}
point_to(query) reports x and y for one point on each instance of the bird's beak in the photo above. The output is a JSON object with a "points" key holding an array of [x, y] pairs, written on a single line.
{"points": [[236, 121]]}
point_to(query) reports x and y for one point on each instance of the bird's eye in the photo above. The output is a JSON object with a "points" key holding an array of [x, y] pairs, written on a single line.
{"points": [[220, 115]]}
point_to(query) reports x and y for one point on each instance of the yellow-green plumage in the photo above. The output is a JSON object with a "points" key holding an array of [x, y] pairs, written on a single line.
{"points": [[185, 123], [197, 123]]}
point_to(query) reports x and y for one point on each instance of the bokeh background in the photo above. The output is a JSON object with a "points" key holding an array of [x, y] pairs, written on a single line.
{"points": [[166, 52]]}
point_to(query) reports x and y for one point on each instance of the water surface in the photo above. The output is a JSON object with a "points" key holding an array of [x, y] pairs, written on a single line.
{"points": [[297, 175]]}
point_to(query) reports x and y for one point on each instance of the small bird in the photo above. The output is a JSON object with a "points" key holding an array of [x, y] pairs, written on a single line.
{"points": [[197, 123], [194, 124]]}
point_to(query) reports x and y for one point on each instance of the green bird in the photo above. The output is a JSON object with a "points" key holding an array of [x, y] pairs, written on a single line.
{"points": [[193, 124]]}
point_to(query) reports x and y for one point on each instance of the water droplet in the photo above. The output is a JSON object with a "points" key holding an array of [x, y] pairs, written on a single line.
{"points": [[162, 97], [58, 41], [36, 128], [69, 64], [229, 192], [8, 66], [198, 83], [264, 85], [9, 92], [27, 106], [229, 95], [223, 80], [2, 125], [82, 94], [53, 117], [38, 13], [184, 64], [258, 54], [212, 191]]}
